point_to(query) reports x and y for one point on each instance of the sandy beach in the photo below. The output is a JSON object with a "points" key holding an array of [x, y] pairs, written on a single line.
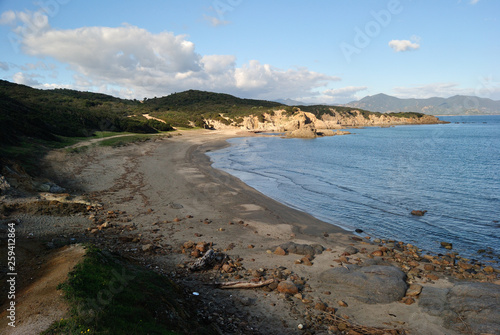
{"points": [[161, 200]]}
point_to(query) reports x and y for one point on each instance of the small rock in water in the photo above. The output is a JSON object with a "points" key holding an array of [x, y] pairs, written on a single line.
{"points": [[359, 231], [418, 213], [447, 245]]}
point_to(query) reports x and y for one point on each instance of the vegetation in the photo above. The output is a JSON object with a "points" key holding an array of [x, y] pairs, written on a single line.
{"points": [[109, 296], [33, 121], [407, 114]]}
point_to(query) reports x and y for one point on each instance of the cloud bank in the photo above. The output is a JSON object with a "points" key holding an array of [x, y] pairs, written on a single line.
{"points": [[137, 63]]}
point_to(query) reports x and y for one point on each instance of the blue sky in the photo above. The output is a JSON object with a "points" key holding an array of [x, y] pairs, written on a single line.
{"points": [[325, 51]]}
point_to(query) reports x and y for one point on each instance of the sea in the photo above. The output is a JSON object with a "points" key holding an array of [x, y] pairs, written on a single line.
{"points": [[372, 180]]}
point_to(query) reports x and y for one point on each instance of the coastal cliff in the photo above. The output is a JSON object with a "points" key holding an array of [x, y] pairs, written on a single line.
{"points": [[307, 125]]}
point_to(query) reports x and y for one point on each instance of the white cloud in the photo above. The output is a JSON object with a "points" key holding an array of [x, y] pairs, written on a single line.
{"points": [[473, 2], [137, 63], [25, 79], [403, 45]]}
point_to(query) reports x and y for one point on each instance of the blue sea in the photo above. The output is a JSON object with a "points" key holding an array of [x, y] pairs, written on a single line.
{"points": [[374, 178]]}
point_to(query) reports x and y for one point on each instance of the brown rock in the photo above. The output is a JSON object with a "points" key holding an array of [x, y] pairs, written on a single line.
{"points": [[251, 246], [177, 220], [418, 213], [432, 277], [306, 261], [287, 287], [414, 290], [377, 253], [147, 247], [447, 245], [320, 306], [489, 269], [280, 251], [188, 245], [429, 267], [202, 246], [196, 253], [342, 303], [227, 268], [408, 300]]}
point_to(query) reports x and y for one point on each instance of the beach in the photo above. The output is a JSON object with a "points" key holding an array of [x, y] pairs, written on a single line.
{"points": [[161, 204]]}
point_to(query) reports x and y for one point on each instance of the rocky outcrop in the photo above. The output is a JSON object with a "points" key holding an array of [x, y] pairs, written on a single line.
{"points": [[307, 125], [369, 284], [465, 305]]}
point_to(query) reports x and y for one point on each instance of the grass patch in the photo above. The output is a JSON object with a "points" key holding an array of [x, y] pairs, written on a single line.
{"points": [[109, 296], [124, 140]]}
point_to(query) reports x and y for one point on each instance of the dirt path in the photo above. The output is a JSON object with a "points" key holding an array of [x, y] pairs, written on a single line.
{"points": [[40, 303]]}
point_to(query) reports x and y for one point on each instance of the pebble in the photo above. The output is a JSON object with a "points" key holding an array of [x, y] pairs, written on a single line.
{"points": [[320, 306], [342, 303], [280, 251], [287, 287], [414, 290]]}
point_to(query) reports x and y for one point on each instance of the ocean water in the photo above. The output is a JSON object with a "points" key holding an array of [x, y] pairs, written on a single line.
{"points": [[374, 178]]}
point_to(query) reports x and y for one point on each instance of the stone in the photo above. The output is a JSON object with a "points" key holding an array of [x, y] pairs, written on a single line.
{"points": [[447, 245], [342, 303], [377, 253], [287, 287], [429, 267], [302, 249], [369, 284], [418, 213], [177, 219], [147, 247], [408, 301], [227, 268], [280, 251], [320, 306], [351, 250], [473, 304], [414, 290], [189, 244], [489, 269]]}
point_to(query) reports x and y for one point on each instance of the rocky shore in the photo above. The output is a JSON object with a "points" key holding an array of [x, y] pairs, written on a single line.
{"points": [[250, 264]]}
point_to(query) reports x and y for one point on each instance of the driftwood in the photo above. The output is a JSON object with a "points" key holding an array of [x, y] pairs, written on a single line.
{"points": [[204, 262], [241, 284]]}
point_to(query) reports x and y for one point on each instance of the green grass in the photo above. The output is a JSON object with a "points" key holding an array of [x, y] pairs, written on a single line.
{"points": [[109, 296]]}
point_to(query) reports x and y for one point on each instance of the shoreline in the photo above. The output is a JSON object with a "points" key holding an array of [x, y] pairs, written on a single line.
{"points": [[162, 198]]}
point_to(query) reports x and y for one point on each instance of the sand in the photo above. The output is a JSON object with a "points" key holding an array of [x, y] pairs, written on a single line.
{"points": [[169, 193]]}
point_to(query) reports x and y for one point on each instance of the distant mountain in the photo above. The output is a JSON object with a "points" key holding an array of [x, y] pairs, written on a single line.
{"points": [[291, 102], [456, 105]]}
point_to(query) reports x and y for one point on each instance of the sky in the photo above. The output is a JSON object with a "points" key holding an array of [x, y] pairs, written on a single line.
{"points": [[318, 51]]}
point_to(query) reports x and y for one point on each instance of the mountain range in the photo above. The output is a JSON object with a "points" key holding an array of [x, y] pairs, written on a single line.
{"points": [[455, 105]]}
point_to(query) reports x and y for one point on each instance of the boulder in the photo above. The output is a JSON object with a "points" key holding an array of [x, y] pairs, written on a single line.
{"points": [[302, 249], [287, 287], [369, 284], [474, 305]]}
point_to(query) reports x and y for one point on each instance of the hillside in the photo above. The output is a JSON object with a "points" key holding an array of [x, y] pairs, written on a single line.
{"points": [[456, 105], [33, 120]]}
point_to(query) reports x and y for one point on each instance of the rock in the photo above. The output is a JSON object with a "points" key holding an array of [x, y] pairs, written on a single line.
{"points": [[342, 303], [414, 290], [4, 185], [377, 253], [473, 304], [196, 253], [189, 244], [320, 306], [369, 284], [302, 249], [359, 231], [429, 267], [303, 133], [287, 287], [351, 250], [280, 251], [408, 301], [147, 247], [418, 213], [177, 219], [447, 245], [227, 268], [489, 269], [306, 261]]}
